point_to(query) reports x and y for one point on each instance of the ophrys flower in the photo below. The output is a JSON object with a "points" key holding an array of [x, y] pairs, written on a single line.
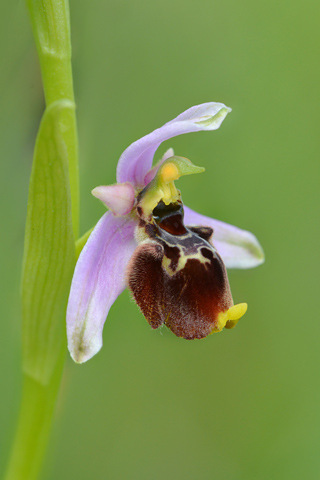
{"points": [[163, 251]]}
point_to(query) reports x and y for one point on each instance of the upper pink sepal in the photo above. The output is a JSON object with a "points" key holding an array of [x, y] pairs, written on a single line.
{"points": [[136, 160], [118, 198]]}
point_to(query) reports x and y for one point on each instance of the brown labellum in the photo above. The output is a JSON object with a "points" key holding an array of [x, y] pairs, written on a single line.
{"points": [[176, 276]]}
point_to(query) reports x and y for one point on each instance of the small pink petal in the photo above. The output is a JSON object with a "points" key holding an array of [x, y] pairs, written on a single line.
{"points": [[98, 280], [136, 160], [118, 198], [238, 248]]}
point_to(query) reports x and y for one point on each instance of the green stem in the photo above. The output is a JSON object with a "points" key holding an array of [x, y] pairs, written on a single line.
{"points": [[51, 28], [49, 254], [34, 425]]}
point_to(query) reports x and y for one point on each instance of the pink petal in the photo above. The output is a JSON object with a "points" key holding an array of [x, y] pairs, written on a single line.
{"points": [[118, 198], [98, 280], [136, 160], [238, 248]]}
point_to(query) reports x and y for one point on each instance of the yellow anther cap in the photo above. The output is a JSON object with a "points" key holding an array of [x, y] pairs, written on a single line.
{"points": [[169, 172]]}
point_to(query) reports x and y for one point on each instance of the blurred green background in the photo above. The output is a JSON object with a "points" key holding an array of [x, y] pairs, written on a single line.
{"points": [[240, 405]]}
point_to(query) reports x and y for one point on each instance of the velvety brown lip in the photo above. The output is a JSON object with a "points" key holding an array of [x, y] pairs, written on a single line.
{"points": [[186, 299]]}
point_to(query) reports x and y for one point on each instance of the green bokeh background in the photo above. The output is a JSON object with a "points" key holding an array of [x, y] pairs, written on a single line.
{"points": [[240, 405]]}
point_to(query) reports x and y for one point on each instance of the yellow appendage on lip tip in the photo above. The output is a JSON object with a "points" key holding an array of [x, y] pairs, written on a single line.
{"points": [[237, 311], [230, 317]]}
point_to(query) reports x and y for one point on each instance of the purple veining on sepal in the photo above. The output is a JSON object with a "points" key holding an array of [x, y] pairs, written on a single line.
{"points": [[136, 160], [118, 198], [238, 248], [98, 280]]}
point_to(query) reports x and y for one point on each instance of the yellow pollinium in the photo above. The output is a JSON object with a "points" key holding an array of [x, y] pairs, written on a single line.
{"points": [[230, 317]]}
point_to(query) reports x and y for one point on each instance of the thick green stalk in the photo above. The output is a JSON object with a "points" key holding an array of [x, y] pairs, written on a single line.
{"points": [[34, 425], [51, 28], [49, 250]]}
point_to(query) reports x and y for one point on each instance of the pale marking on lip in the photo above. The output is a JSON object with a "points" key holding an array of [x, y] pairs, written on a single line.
{"points": [[183, 258]]}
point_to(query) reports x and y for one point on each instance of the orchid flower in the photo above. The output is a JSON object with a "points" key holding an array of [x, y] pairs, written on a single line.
{"points": [[176, 273]]}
